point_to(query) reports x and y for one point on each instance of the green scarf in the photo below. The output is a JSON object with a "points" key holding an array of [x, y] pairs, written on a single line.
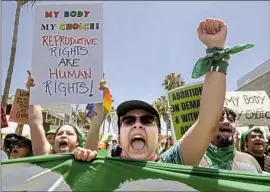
{"points": [[220, 157], [203, 65]]}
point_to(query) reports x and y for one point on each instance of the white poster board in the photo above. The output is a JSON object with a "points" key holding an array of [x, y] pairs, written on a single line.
{"points": [[114, 122], [67, 61], [252, 107]]}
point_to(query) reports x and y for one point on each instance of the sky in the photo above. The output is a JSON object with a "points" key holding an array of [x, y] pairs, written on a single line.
{"points": [[144, 41]]}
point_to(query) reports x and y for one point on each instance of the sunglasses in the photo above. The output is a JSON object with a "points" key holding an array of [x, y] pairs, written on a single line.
{"points": [[145, 120]]}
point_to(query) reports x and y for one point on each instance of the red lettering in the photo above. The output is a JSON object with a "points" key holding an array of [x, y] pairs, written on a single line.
{"points": [[86, 13], [70, 74], [53, 73], [68, 26], [48, 14], [56, 13], [58, 40]]}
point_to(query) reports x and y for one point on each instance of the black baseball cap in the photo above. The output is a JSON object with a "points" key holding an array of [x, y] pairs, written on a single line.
{"points": [[130, 105]]}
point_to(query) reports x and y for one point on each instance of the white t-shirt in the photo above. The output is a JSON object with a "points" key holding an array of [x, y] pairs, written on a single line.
{"points": [[3, 156]]}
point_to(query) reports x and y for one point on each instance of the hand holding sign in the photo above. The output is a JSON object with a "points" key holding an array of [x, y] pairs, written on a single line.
{"points": [[103, 85], [212, 32], [30, 82]]}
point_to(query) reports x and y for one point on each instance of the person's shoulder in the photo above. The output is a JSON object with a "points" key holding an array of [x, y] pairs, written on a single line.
{"points": [[246, 156], [243, 154]]}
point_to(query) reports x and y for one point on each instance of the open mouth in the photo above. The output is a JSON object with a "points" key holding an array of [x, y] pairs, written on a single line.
{"points": [[225, 129], [15, 151], [138, 142], [258, 143], [63, 145]]}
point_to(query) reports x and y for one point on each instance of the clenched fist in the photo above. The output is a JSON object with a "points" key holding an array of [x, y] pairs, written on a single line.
{"points": [[212, 32]]}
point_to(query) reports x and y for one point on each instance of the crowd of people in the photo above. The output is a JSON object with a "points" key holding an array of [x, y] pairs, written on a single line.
{"points": [[212, 141]]}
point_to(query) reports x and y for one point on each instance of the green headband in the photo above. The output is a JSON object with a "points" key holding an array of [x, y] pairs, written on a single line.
{"points": [[80, 134]]}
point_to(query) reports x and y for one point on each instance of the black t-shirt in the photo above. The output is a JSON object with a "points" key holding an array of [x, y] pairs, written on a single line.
{"points": [[264, 162]]}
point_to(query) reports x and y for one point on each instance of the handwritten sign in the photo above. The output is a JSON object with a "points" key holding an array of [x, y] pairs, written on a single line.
{"points": [[252, 107], [20, 106], [184, 102], [67, 62], [4, 122]]}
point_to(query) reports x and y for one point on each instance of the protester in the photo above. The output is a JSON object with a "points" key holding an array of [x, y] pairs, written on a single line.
{"points": [[256, 146], [139, 123], [17, 146], [67, 136], [222, 154], [50, 135], [168, 144]]}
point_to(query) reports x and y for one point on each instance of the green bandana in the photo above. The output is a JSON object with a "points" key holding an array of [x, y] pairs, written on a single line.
{"points": [[204, 64], [80, 134], [220, 157]]}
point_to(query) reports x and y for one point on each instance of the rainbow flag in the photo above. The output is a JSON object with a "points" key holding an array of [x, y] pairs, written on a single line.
{"points": [[107, 104]]}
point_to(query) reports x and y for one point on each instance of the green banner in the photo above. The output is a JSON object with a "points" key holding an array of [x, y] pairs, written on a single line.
{"points": [[185, 103], [61, 172]]}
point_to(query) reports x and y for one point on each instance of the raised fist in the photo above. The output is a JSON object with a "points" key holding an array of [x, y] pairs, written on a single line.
{"points": [[212, 32], [30, 81]]}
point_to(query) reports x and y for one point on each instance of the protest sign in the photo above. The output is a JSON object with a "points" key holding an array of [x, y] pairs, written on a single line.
{"points": [[60, 172], [20, 106], [67, 62], [4, 122], [252, 107], [184, 103], [114, 122]]}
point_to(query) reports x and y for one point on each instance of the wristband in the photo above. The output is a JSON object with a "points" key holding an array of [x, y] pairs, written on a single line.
{"points": [[219, 66], [218, 58]]}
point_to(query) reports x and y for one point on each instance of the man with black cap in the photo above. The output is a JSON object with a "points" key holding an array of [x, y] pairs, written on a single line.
{"points": [[139, 123]]}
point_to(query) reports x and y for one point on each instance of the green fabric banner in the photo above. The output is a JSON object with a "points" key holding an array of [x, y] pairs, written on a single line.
{"points": [[61, 172]]}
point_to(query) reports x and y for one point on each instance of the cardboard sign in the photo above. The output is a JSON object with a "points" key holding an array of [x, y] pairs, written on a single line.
{"points": [[185, 103], [4, 122], [252, 107], [20, 106], [67, 62]]}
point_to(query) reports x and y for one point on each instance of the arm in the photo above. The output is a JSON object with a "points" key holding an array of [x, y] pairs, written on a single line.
{"points": [[40, 144], [96, 122], [213, 34], [93, 133], [204, 129]]}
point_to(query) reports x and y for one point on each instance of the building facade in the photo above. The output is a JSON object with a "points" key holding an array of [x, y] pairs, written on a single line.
{"points": [[256, 80]]}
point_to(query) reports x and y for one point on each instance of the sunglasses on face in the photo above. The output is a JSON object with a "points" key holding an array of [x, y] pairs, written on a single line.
{"points": [[145, 120]]}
